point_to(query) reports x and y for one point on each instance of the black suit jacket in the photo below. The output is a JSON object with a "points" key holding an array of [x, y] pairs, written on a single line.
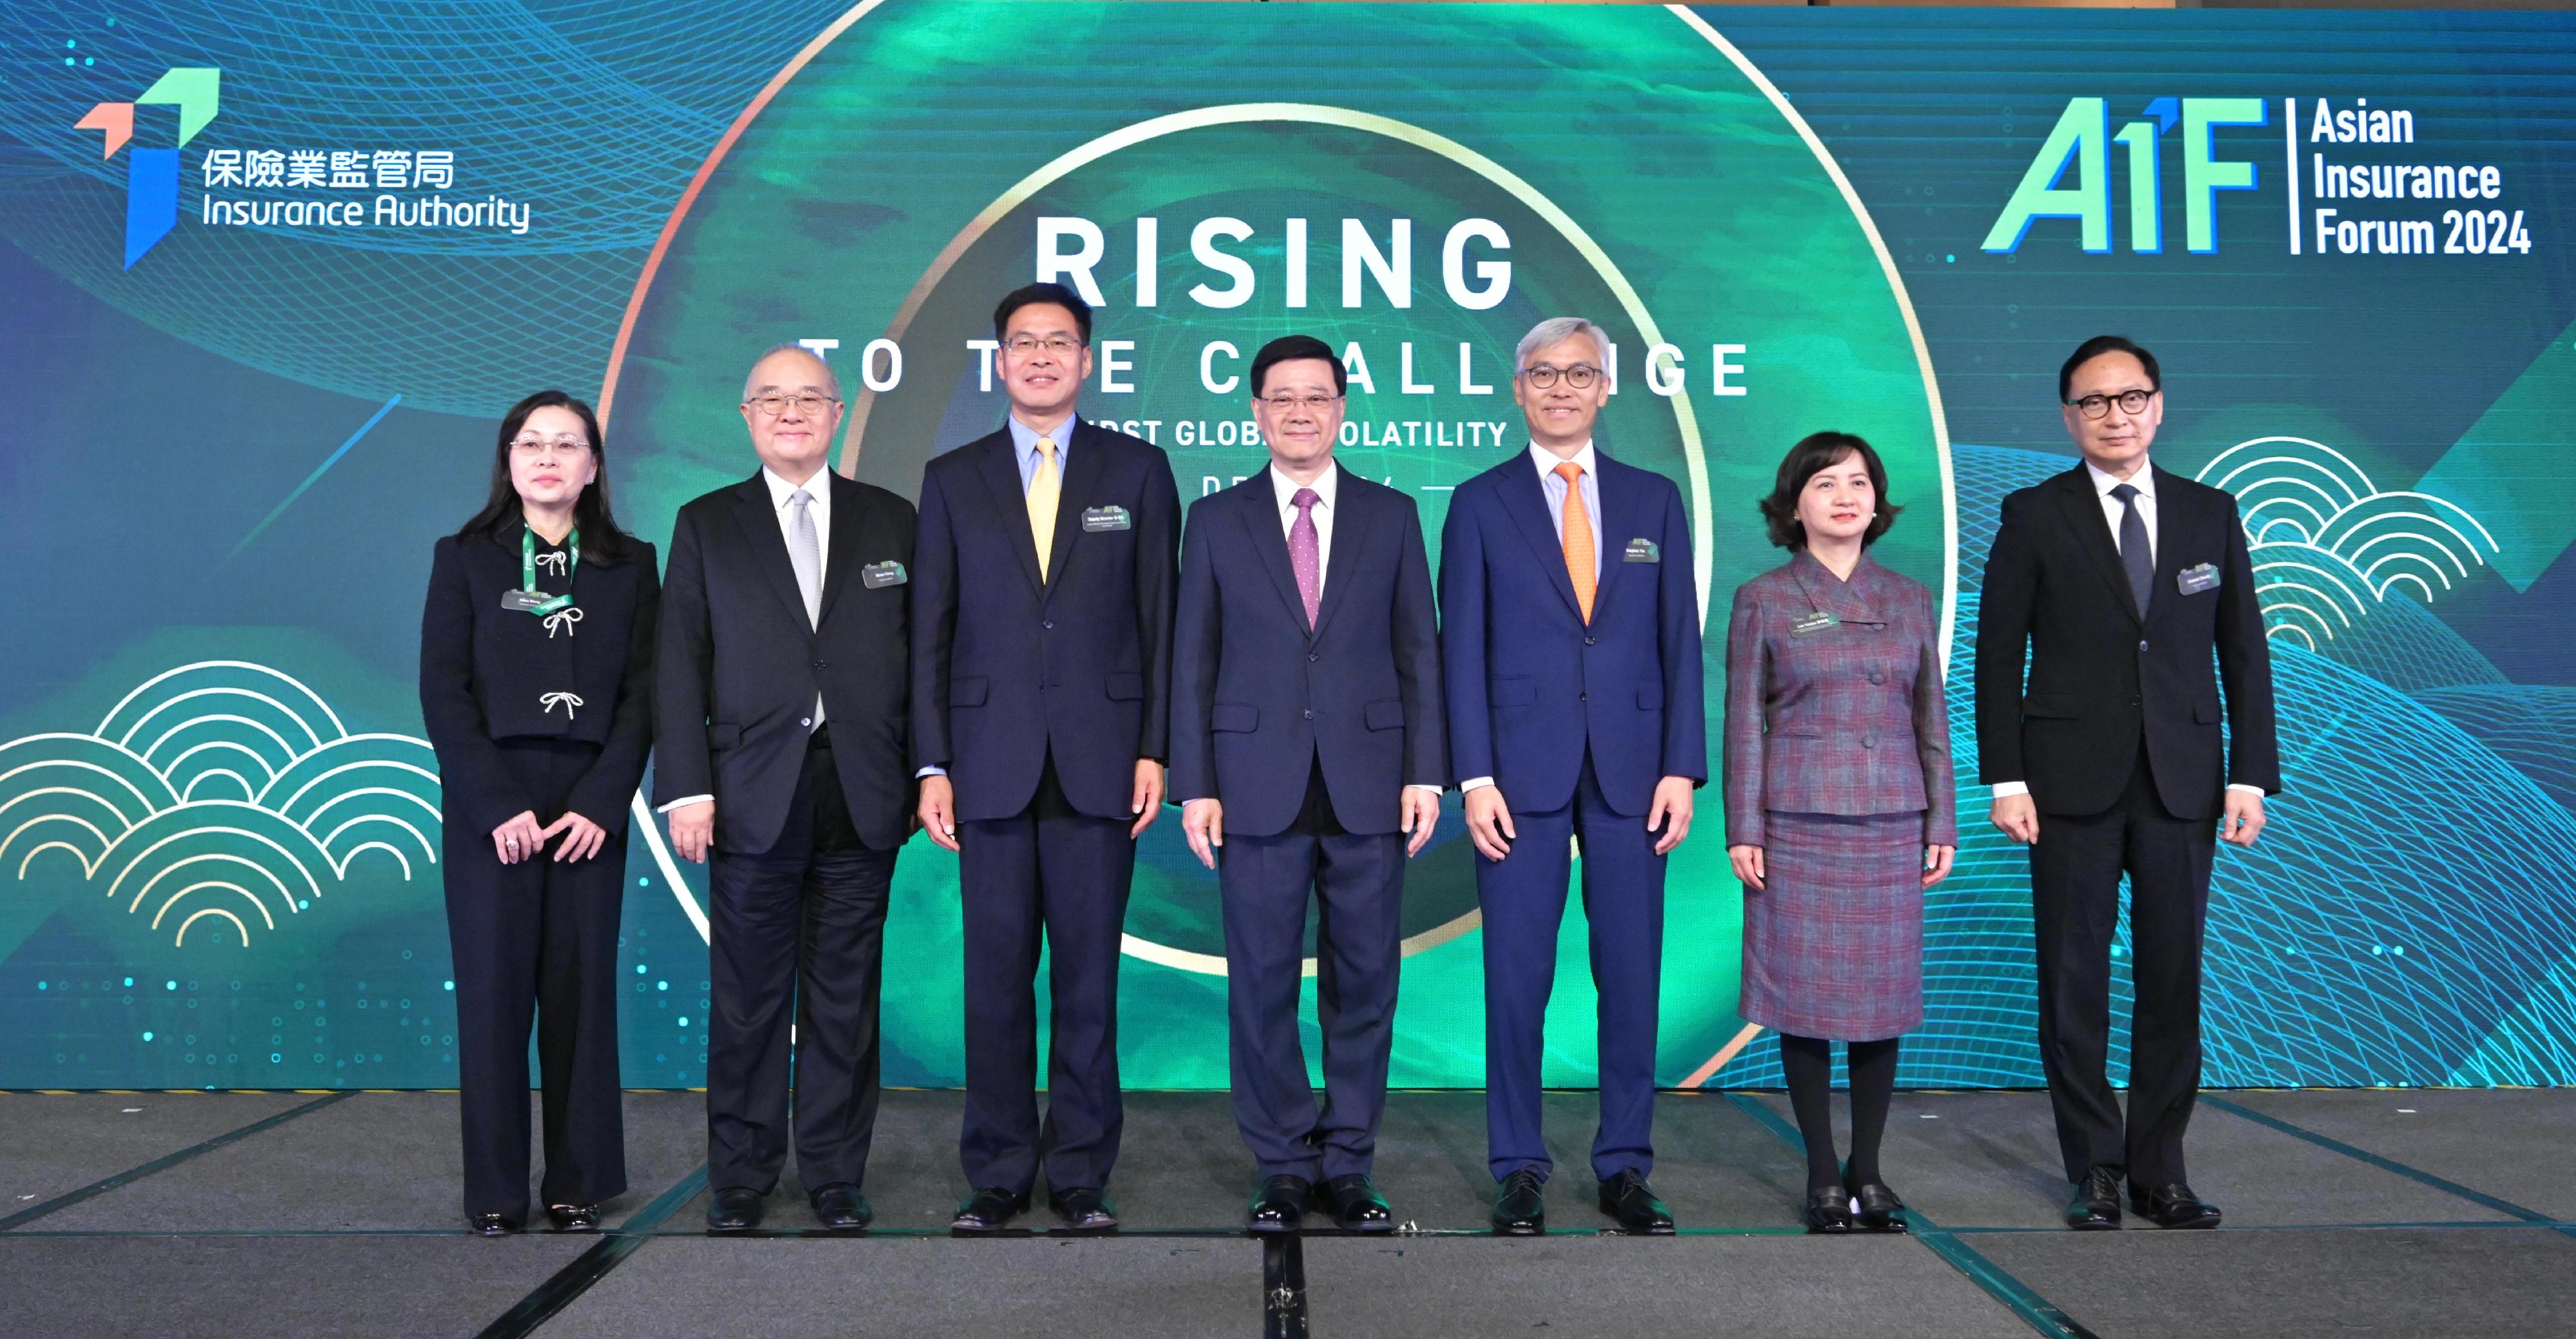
{"points": [[1004, 668], [1259, 698], [489, 673], [2104, 676], [740, 664]]}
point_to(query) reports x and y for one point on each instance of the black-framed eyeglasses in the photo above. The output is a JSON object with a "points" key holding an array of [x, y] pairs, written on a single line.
{"points": [[1580, 376], [2130, 402], [772, 406]]}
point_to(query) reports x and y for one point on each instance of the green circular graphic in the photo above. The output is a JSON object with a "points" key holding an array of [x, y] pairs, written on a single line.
{"points": [[1359, 175]]}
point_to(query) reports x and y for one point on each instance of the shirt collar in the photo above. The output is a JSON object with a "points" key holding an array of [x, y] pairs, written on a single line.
{"points": [[1024, 438], [1547, 461], [780, 491], [1325, 486], [2103, 483]]}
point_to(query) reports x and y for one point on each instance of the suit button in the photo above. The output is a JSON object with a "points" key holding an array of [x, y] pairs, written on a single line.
{"points": [[1588, 641], [1049, 625], [806, 721], [1583, 697], [2142, 646], [1311, 657], [1869, 741], [1309, 713], [818, 664], [1876, 677]]}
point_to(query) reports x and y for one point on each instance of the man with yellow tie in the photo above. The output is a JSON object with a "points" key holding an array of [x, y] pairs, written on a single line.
{"points": [[1043, 586], [1570, 648]]}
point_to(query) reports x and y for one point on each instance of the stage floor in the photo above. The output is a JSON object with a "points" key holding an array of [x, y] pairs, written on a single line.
{"points": [[2406, 1212]]}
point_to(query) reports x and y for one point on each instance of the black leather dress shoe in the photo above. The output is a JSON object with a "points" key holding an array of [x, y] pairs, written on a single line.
{"points": [[988, 1210], [1359, 1206], [2173, 1205], [1829, 1211], [841, 1208], [1084, 1208], [490, 1225], [1629, 1199], [574, 1217], [735, 1209], [1880, 1209], [2095, 1205], [1279, 1205], [1520, 1210]]}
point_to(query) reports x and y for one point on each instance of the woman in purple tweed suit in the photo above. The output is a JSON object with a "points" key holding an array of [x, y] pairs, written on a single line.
{"points": [[1839, 811]]}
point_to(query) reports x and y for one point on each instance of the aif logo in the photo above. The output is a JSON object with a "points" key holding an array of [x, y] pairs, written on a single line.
{"points": [[152, 175], [2082, 138]]}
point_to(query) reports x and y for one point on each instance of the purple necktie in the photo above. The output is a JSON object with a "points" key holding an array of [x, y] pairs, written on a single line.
{"points": [[1304, 553]]}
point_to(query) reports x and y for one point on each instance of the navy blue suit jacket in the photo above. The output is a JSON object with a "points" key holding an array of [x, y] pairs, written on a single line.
{"points": [[1004, 668], [1258, 697], [1530, 686]]}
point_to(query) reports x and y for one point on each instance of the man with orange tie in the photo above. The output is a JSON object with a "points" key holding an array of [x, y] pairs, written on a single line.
{"points": [[1570, 647]]}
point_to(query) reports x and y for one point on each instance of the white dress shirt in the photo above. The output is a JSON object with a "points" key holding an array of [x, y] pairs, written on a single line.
{"points": [[2112, 508], [1553, 485], [781, 493]]}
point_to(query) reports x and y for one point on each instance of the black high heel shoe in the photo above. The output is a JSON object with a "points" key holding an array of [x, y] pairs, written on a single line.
{"points": [[1829, 1211]]}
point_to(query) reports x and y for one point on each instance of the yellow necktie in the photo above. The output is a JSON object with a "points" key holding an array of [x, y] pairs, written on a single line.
{"points": [[1577, 538], [1043, 489]]}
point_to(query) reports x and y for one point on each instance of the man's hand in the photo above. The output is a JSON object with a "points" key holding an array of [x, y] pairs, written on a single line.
{"points": [[2243, 821], [586, 839], [1421, 807], [1936, 863], [1489, 822], [1671, 812], [1748, 865], [519, 839], [2018, 817], [938, 810], [1203, 822], [693, 829], [1147, 802]]}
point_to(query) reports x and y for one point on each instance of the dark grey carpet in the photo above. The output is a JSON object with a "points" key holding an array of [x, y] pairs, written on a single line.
{"points": [[52, 1143], [2416, 1283], [2514, 1144]]}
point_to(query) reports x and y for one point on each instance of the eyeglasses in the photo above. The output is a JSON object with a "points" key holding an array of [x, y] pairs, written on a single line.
{"points": [[1024, 345], [771, 406], [2130, 402], [1580, 376], [1312, 404], [533, 445]]}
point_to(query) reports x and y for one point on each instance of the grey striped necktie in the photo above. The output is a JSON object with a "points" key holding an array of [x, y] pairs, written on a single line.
{"points": [[2134, 552], [805, 552]]}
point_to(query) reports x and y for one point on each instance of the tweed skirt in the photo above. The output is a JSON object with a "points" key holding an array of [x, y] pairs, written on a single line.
{"points": [[1833, 944]]}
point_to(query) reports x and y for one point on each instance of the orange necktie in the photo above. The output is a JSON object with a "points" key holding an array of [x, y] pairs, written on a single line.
{"points": [[1577, 533]]}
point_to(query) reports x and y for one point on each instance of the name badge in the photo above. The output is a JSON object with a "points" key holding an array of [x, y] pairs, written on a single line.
{"points": [[1642, 551], [878, 576], [1097, 519], [1808, 625], [526, 601], [2194, 580]]}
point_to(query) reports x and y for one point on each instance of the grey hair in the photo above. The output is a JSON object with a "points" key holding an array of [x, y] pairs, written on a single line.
{"points": [[830, 378], [1557, 330]]}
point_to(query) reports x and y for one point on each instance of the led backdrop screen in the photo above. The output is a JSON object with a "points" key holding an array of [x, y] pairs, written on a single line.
{"points": [[273, 273]]}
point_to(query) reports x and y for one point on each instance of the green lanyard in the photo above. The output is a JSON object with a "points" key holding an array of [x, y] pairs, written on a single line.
{"points": [[528, 569]]}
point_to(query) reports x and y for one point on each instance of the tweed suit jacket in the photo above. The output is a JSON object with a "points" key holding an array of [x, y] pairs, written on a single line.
{"points": [[1843, 718]]}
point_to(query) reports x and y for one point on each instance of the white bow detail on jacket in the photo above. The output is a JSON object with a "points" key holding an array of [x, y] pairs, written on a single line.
{"points": [[568, 701]]}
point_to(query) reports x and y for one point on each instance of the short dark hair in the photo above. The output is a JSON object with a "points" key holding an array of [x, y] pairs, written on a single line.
{"points": [[590, 512], [1293, 348], [2101, 344], [1033, 295], [1815, 452]]}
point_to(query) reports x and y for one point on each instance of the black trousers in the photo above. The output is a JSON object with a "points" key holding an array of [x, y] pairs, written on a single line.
{"points": [[1357, 883], [799, 924], [1047, 870], [2075, 871], [537, 942]]}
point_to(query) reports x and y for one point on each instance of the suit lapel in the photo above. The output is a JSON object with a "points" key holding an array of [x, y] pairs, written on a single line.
{"points": [[840, 560], [1259, 513], [2177, 521], [1352, 527], [1081, 471], [1619, 524], [757, 518], [1527, 504], [2082, 508], [998, 466]]}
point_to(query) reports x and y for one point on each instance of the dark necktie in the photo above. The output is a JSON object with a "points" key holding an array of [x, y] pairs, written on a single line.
{"points": [[2134, 556]]}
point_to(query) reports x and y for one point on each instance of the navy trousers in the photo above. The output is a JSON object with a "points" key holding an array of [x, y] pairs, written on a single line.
{"points": [[1523, 899], [537, 942], [1357, 883], [1047, 869], [797, 932]]}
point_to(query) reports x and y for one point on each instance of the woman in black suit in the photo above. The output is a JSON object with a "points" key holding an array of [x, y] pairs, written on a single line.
{"points": [[536, 662]]}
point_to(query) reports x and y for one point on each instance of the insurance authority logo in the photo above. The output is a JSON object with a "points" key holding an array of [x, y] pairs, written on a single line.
{"points": [[152, 175]]}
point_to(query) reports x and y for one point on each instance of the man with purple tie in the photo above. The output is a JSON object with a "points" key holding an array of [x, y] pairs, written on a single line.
{"points": [[1306, 746]]}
